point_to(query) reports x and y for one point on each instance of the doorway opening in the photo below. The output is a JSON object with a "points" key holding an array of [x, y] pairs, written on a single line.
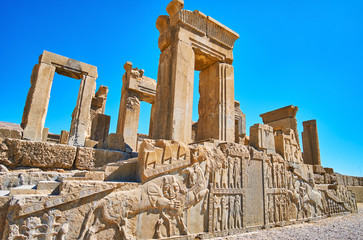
{"points": [[63, 99], [144, 123], [195, 113]]}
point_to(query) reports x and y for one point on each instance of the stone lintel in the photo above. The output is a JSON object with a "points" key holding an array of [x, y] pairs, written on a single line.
{"points": [[278, 114], [208, 26], [67, 66]]}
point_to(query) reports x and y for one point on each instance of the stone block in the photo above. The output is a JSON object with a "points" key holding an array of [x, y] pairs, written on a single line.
{"points": [[122, 171], [95, 175], [10, 130], [114, 141], [319, 169], [45, 134], [91, 158], [100, 127], [90, 143], [278, 114], [329, 170], [14, 152], [358, 191], [64, 136], [24, 190], [262, 137], [48, 187]]}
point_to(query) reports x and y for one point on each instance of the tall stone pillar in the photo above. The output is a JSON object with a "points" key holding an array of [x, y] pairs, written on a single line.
{"points": [[174, 94], [36, 106], [81, 119], [216, 104], [128, 121], [311, 153]]}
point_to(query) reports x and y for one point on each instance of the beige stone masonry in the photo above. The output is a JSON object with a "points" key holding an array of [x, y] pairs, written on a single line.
{"points": [[15, 153], [262, 137], [100, 122], [288, 146], [64, 136], [10, 130], [282, 118], [193, 41], [135, 88], [216, 105], [36, 105], [311, 143]]}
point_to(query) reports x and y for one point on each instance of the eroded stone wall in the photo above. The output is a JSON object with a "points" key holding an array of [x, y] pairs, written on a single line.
{"points": [[185, 190]]}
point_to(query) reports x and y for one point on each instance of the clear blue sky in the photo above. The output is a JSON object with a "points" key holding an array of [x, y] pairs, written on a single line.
{"points": [[306, 53]]}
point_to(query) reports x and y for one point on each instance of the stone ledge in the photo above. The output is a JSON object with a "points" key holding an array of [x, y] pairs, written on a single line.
{"points": [[16, 152]]}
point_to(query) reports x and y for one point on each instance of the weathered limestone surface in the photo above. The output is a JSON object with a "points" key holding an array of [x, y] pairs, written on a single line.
{"points": [[311, 143], [210, 191], [216, 104], [81, 118], [358, 192], [10, 130], [240, 123], [191, 41], [262, 137], [161, 156], [100, 123], [135, 88], [91, 158], [30, 176], [36, 105], [100, 127], [45, 134], [169, 189], [287, 145], [172, 113], [282, 118], [16, 152], [64, 136], [113, 141]]}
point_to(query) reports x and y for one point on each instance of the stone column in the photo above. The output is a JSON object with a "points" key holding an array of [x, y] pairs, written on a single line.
{"points": [[172, 113], [216, 104], [311, 153], [36, 106], [81, 119], [128, 120]]}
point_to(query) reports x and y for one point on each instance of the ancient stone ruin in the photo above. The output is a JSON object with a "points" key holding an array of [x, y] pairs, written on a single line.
{"points": [[184, 180]]}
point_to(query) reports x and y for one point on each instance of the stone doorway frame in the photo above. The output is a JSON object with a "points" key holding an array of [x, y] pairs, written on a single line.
{"points": [[192, 41], [36, 106], [136, 88]]}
